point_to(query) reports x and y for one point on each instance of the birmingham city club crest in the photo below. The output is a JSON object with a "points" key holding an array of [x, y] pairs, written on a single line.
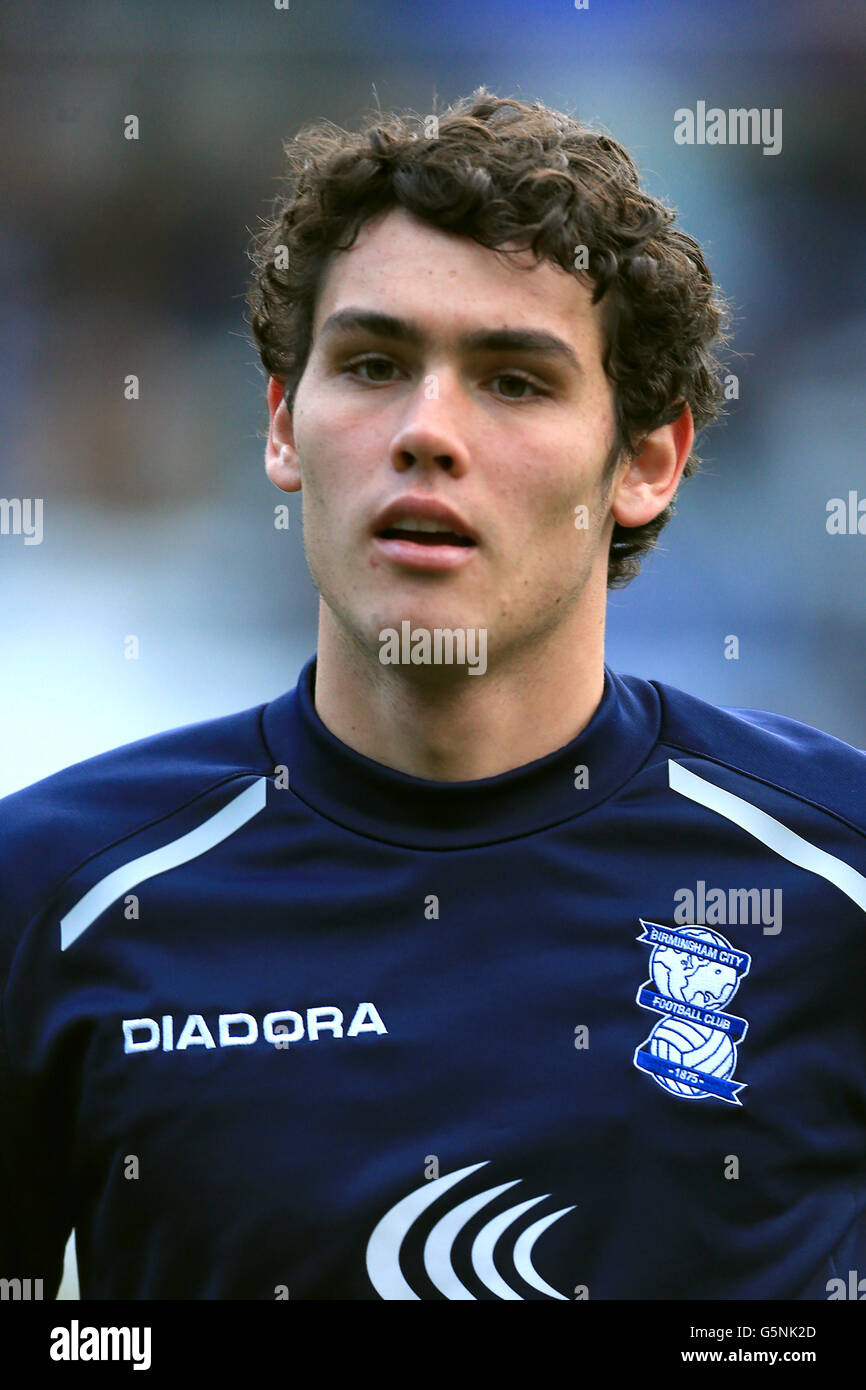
{"points": [[694, 974]]}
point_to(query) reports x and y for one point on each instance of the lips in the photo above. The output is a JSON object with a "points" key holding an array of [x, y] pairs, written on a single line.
{"points": [[423, 537], [419, 532], [425, 521]]}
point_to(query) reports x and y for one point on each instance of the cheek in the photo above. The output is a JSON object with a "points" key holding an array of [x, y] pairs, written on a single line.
{"points": [[332, 491], [558, 508], [334, 441], [319, 460], [558, 530]]}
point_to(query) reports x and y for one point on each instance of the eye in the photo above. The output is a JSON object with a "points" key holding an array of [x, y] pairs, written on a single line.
{"points": [[374, 362], [521, 380], [376, 370]]}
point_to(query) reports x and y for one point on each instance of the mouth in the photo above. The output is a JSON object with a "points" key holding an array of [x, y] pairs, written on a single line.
{"points": [[416, 536], [424, 549]]}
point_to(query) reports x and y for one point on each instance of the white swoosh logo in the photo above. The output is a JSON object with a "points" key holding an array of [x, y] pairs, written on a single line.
{"points": [[383, 1247]]}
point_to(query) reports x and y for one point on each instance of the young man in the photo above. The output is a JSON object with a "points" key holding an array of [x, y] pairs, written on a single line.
{"points": [[468, 968]]}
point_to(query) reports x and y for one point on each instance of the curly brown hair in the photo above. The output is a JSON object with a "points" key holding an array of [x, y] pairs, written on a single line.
{"points": [[501, 171]]}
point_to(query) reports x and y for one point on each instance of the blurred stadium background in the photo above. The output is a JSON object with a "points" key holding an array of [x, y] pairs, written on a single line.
{"points": [[124, 256]]}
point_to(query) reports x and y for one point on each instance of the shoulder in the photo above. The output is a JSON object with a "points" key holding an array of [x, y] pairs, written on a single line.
{"points": [[808, 764], [50, 827]]}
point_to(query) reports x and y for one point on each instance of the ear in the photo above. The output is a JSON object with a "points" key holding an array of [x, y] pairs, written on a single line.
{"points": [[650, 480], [281, 460]]}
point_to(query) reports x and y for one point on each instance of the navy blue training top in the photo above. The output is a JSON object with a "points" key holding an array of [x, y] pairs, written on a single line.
{"points": [[280, 1021]]}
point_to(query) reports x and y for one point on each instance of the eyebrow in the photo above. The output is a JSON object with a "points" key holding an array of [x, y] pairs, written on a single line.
{"points": [[531, 340]]}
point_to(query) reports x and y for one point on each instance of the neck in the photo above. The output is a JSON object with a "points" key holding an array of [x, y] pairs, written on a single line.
{"points": [[444, 724]]}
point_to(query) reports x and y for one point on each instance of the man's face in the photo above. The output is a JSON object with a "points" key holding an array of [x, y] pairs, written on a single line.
{"points": [[513, 439]]}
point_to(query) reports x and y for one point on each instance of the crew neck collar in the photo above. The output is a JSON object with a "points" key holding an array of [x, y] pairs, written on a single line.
{"points": [[384, 804]]}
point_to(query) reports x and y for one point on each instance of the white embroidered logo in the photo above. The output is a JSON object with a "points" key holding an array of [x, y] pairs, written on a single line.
{"points": [[383, 1247]]}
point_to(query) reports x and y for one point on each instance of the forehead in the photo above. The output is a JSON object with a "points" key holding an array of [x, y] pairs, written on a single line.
{"points": [[401, 266]]}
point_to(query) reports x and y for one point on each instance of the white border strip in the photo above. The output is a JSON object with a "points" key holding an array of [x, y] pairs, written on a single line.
{"points": [[218, 827], [770, 832]]}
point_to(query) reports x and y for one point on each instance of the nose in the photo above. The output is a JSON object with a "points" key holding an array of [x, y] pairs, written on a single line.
{"points": [[430, 434]]}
